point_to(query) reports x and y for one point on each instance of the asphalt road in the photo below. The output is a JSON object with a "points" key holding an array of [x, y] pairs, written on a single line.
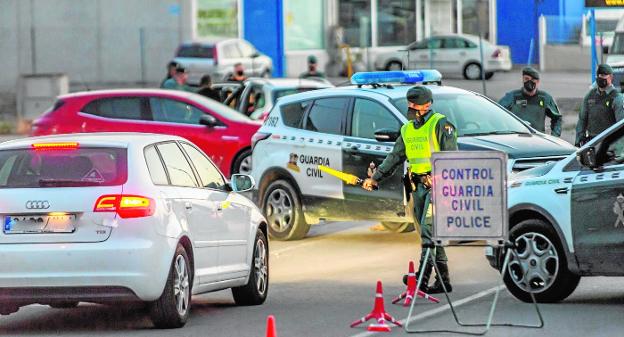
{"points": [[323, 283]]}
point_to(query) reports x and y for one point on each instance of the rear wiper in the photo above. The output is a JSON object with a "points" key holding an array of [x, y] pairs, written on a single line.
{"points": [[497, 133], [65, 183]]}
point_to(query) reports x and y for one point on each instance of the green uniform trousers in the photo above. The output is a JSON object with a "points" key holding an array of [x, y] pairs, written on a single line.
{"points": [[426, 227]]}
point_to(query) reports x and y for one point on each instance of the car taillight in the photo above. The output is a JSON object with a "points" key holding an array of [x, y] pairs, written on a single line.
{"points": [[497, 53], [126, 206], [258, 136]]}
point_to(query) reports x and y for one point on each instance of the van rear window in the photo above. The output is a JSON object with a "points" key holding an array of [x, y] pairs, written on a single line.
{"points": [[28, 168], [196, 52]]}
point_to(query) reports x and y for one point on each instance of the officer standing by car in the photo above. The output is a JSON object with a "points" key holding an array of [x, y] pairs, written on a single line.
{"points": [[602, 107], [425, 133], [178, 81], [533, 105], [312, 69]]}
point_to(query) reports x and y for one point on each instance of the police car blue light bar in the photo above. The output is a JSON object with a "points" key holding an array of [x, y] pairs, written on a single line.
{"points": [[406, 76]]}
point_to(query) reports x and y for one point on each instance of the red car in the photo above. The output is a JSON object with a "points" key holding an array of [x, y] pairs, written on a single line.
{"points": [[221, 132]]}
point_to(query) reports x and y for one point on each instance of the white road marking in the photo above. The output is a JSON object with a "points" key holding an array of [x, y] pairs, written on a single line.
{"points": [[436, 311]]}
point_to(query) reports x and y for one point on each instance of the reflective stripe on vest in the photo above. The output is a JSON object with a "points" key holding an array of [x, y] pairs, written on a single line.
{"points": [[421, 143]]}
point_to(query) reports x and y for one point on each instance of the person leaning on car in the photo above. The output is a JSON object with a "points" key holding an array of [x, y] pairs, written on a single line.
{"points": [[602, 107], [533, 105], [178, 81]]}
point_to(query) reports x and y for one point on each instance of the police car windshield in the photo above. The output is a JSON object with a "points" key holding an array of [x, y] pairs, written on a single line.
{"points": [[471, 114]]}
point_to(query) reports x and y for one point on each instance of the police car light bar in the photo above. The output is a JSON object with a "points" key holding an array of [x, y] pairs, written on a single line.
{"points": [[407, 77]]}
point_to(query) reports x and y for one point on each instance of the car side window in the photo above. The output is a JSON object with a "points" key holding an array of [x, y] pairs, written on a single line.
{"points": [[434, 43], [230, 50], [155, 166], [615, 152], [208, 173], [172, 111], [120, 107], [370, 116], [246, 49], [292, 114], [424, 44], [326, 115], [178, 168], [453, 43]]}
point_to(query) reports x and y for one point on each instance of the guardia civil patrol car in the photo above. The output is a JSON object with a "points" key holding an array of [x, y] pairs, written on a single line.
{"points": [[352, 129], [567, 220]]}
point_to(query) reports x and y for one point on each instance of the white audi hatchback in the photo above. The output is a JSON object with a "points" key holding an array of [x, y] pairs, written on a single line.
{"points": [[117, 217]]}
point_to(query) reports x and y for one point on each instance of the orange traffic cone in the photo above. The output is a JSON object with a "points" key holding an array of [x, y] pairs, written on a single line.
{"points": [[408, 294], [271, 327], [379, 313]]}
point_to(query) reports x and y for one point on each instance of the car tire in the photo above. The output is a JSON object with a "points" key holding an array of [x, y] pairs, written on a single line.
{"points": [[472, 71], [398, 227], [489, 74], [64, 305], [538, 245], [256, 290], [172, 309], [282, 207], [242, 164], [394, 65]]}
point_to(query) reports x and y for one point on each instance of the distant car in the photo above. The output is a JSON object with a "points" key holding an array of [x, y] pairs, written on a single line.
{"points": [[256, 96], [125, 217], [224, 134], [449, 54], [217, 59]]}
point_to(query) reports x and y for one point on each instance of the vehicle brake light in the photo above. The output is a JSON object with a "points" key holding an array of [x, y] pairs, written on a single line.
{"points": [[215, 55], [258, 136], [56, 146], [496, 54], [126, 206]]}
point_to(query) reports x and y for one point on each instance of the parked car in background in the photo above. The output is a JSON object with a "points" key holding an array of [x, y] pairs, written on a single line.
{"points": [[125, 217], [224, 134], [217, 59], [456, 54], [256, 96]]}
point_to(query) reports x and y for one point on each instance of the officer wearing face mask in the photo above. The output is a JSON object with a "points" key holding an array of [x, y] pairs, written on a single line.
{"points": [[533, 105], [602, 107], [426, 132], [239, 73]]}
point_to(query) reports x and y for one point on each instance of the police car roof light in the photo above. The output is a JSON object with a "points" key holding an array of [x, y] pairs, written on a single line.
{"points": [[407, 77]]}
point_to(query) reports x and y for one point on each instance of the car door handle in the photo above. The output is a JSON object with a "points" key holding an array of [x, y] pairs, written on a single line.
{"points": [[188, 206], [562, 190]]}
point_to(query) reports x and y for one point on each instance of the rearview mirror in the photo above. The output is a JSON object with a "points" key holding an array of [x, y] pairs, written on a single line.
{"points": [[386, 135], [587, 157], [242, 182], [208, 121]]}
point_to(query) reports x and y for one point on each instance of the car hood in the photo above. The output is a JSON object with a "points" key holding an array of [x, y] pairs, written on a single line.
{"points": [[518, 145]]}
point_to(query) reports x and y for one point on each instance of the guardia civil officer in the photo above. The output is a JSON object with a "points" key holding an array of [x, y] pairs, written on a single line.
{"points": [[533, 105], [426, 132], [312, 69], [602, 107]]}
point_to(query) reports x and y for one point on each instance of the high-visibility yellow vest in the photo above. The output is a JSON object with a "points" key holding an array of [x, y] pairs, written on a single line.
{"points": [[421, 143]]}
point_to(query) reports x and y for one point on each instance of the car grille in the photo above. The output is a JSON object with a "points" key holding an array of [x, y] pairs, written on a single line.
{"points": [[522, 164]]}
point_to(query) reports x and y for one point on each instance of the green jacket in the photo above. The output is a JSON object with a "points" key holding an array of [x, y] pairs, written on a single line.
{"points": [[308, 74], [174, 85], [600, 110], [534, 109], [447, 138]]}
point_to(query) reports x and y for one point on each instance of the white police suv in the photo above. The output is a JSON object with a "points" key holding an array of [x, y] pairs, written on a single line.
{"points": [[567, 220], [348, 128]]}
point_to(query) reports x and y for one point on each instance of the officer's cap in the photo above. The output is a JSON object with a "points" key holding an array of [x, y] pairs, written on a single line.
{"points": [[172, 64], [180, 69], [604, 69], [419, 95], [530, 71], [312, 59]]}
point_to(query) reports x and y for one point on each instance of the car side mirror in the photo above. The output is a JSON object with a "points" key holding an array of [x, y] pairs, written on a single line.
{"points": [[242, 182], [587, 157], [208, 121], [386, 135]]}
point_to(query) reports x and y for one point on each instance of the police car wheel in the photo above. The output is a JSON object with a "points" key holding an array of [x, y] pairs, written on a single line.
{"points": [[282, 208], [472, 71], [398, 227], [540, 266]]}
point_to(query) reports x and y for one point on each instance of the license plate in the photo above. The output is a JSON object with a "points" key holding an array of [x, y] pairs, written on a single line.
{"points": [[39, 224]]}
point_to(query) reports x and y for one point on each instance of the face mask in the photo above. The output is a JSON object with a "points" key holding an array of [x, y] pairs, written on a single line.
{"points": [[312, 68], [240, 73], [411, 114], [529, 86], [602, 82]]}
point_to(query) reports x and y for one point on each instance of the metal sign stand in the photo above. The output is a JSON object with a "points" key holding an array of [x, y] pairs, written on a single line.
{"points": [[428, 255]]}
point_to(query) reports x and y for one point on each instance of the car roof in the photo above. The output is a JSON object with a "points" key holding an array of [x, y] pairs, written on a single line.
{"points": [[113, 139], [207, 42], [125, 92], [290, 82]]}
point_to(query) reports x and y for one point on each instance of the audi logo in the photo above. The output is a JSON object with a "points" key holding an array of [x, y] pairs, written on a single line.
{"points": [[37, 204]]}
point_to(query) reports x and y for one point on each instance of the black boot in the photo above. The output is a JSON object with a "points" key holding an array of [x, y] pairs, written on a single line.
{"points": [[444, 275], [425, 279]]}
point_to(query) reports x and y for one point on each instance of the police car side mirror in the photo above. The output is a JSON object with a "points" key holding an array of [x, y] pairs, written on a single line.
{"points": [[208, 121], [587, 157], [386, 135]]}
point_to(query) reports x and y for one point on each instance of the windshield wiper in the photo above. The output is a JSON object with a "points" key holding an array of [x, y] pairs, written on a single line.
{"points": [[497, 133], [65, 183]]}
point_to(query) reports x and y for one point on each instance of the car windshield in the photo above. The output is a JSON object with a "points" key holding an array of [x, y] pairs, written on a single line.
{"points": [[28, 168], [618, 44], [221, 109], [472, 115]]}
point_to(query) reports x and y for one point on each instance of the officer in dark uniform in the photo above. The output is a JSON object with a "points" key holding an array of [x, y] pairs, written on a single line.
{"points": [[602, 107], [533, 105], [312, 69], [426, 133]]}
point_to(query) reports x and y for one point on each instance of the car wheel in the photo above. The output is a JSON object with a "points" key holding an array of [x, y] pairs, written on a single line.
{"points": [[242, 164], [540, 265], [63, 305], [398, 227], [257, 288], [282, 207], [472, 71], [489, 74], [172, 309], [394, 65]]}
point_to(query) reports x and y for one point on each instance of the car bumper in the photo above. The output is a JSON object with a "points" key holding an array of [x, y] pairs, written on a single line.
{"points": [[133, 269], [498, 65]]}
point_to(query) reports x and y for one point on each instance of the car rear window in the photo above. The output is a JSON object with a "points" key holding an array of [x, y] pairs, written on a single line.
{"points": [[292, 114], [28, 168], [205, 52]]}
